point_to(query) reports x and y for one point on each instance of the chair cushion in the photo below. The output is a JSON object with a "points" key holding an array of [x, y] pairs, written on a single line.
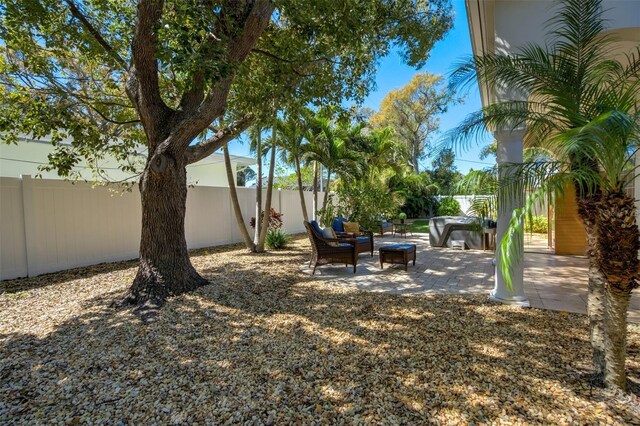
{"points": [[330, 233], [338, 224], [399, 247], [362, 239], [352, 227], [316, 227], [345, 245]]}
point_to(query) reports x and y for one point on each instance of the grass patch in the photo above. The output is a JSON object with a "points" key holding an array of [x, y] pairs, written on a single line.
{"points": [[420, 225]]}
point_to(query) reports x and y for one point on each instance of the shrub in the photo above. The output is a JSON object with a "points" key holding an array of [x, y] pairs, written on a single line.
{"points": [[364, 202], [539, 225], [276, 238], [275, 219], [449, 207]]}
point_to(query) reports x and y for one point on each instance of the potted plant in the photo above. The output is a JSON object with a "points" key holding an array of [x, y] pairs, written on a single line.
{"points": [[402, 216]]}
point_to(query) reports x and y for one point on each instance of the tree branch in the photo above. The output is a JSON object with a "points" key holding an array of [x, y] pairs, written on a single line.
{"points": [[77, 13], [197, 152], [143, 84]]}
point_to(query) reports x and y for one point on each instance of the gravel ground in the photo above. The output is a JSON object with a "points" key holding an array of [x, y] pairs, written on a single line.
{"points": [[265, 344]]}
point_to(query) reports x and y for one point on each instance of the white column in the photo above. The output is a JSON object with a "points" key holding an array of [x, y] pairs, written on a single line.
{"points": [[510, 148]]}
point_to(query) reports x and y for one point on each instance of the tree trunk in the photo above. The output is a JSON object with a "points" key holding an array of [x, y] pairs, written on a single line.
{"points": [[615, 340], [236, 204], [618, 242], [267, 205], [595, 297], [256, 234], [415, 156], [164, 267], [315, 190], [326, 190], [303, 203]]}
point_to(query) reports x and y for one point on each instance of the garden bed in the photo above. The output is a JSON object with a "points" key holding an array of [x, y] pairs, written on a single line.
{"points": [[266, 344]]}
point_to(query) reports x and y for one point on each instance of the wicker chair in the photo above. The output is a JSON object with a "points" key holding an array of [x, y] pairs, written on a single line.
{"points": [[323, 252], [364, 241]]}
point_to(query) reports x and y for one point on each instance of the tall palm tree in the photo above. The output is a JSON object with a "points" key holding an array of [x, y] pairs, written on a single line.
{"points": [[291, 141], [248, 242], [565, 87], [256, 146]]}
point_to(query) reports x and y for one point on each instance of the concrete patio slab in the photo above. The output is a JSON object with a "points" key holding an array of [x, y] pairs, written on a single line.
{"points": [[552, 282]]}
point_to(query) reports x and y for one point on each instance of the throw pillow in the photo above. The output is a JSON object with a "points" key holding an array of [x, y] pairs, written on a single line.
{"points": [[352, 227], [330, 233]]}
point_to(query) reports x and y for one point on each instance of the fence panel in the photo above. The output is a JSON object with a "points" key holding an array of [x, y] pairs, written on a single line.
{"points": [[50, 225]]}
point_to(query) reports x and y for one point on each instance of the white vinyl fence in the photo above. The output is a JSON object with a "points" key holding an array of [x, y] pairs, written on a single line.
{"points": [[51, 225], [465, 202]]}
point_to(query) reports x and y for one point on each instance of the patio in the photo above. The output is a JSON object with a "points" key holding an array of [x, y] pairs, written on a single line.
{"points": [[449, 271]]}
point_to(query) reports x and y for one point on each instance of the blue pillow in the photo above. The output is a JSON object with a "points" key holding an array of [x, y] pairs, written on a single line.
{"points": [[338, 224], [316, 227]]}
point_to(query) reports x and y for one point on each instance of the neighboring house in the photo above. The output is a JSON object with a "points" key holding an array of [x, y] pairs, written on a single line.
{"points": [[503, 26], [27, 155]]}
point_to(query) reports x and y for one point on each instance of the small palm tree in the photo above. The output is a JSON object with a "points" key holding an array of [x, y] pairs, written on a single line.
{"points": [[327, 146], [570, 93]]}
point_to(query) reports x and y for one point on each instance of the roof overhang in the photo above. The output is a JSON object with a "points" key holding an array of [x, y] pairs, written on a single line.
{"points": [[480, 17]]}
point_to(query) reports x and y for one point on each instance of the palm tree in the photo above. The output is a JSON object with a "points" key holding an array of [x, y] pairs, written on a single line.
{"points": [[256, 146], [249, 244], [383, 155], [567, 89], [291, 141], [327, 146]]}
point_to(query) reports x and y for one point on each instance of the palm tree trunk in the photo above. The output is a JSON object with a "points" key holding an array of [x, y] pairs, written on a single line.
{"points": [[615, 338], [258, 213], [267, 205], [595, 297], [236, 204], [326, 189], [618, 242], [303, 203], [315, 190]]}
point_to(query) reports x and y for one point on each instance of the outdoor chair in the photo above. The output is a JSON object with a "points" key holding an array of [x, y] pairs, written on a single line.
{"points": [[364, 241], [385, 227], [330, 250]]}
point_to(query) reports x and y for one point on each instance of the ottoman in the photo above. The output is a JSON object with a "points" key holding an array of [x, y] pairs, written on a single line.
{"points": [[399, 254]]}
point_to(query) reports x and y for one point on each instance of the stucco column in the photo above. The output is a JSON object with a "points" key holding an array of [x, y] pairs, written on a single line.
{"points": [[510, 146]]}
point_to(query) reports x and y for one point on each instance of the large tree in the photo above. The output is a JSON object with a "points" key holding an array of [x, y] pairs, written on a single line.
{"points": [[114, 75], [413, 111]]}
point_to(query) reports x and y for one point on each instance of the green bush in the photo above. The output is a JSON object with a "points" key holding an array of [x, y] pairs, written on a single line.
{"points": [[276, 238], [539, 225], [449, 207], [364, 202]]}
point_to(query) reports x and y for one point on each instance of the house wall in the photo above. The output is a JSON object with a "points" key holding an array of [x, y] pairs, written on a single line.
{"points": [[25, 157], [570, 236], [49, 225]]}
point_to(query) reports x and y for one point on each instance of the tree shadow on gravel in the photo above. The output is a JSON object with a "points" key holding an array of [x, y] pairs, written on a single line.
{"points": [[266, 344]]}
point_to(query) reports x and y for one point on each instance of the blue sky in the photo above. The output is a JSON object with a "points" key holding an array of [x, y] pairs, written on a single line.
{"points": [[393, 74]]}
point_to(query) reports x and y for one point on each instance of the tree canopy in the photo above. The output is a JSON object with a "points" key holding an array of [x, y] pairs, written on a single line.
{"points": [[93, 71], [413, 112]]}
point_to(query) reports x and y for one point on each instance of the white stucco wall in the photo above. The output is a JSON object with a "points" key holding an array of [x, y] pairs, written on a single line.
{"points": [[518, 22]]}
